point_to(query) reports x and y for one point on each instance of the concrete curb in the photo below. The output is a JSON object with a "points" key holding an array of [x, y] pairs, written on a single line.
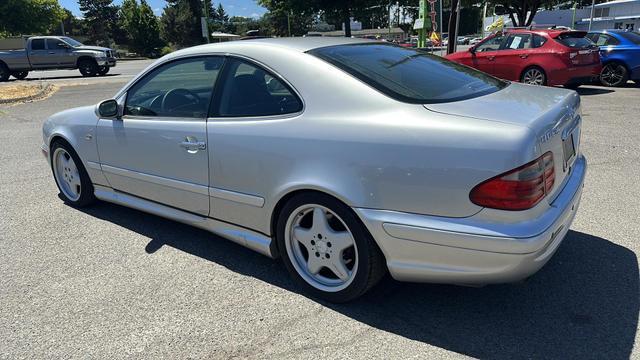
{"points": [[43, 91]]}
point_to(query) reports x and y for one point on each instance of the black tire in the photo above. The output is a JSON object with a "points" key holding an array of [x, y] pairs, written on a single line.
{"points": [[371, 265], [4, 72], [88, 67], [614, 74], [103, 70], [541, 80], [20, 75], [87, 196]]}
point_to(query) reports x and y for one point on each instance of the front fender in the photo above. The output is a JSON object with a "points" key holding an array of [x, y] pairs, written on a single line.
{"points": [[78, 128]]}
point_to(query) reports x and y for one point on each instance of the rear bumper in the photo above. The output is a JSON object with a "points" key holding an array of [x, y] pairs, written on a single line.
{"points": [[424, 248], [575, 75]]}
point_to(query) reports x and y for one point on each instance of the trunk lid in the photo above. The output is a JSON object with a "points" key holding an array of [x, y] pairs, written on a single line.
{"points": [[552, 114]]}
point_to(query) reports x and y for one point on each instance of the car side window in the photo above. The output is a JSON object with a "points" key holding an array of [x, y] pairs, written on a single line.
{"points": [[53, 44], [249, 90], [492, 44], [609, 40], [517, 42], [538, 40], [37, 44], [181, 88]]}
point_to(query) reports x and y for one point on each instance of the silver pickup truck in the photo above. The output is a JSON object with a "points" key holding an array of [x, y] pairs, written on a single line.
{"points": [[52, 52]]}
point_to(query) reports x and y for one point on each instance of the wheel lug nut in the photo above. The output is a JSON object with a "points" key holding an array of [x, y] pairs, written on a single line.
{"points": [[313, 242], [328, 256], [320, 236], [317, 254], [328, 244]]}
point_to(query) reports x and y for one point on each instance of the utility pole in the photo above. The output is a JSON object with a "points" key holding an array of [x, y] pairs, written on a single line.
{"points": [[206, 19], [593, 4]]}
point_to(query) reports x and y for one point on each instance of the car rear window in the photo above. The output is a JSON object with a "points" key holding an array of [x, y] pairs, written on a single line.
{"points": [[409, 75], [632, 36], [575, 40]]}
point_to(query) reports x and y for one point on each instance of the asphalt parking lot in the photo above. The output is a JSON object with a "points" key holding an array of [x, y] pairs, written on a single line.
{"points": [[108, 281]]}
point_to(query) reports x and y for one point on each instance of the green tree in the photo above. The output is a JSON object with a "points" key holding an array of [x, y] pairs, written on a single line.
{"points": [[19, 17], [283, 20], [337, 12], [101, 18], [522, 12], [180, 22], [141, 25]]}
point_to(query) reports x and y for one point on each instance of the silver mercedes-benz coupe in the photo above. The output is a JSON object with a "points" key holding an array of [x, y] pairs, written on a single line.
{"points": [[346, 158]]}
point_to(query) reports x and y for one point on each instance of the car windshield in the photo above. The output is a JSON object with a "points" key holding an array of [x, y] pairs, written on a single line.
{"points": [[72, 42], [409, 75], [632, 36], [575, 40]]}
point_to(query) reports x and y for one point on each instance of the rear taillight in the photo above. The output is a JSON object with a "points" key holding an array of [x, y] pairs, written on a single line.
{"points": [[519, 189]]}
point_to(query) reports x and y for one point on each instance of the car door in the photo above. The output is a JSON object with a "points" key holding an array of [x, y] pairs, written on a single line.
{"points": [[57, 52], [484, 55], [158, 149], [513, 56], [249, 110], [38, 56]]}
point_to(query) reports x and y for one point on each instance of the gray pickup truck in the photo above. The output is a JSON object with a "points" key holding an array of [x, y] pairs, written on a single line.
{"points": [[52, 52]]}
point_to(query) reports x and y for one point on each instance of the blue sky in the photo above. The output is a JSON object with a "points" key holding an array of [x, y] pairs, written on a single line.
{"points": [[233, 7]]}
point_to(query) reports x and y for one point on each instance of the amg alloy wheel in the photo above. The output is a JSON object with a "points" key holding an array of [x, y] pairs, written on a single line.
{"points": [[71, 177], [533, 76], [327, 249], [614, 74]]}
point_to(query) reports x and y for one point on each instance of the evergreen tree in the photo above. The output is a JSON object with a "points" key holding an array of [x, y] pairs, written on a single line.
{"points": [[101, 18], [180, 22]]}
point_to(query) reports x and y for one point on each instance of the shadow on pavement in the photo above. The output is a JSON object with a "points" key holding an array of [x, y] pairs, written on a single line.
{"points": [[583, 304], [586, 91]]}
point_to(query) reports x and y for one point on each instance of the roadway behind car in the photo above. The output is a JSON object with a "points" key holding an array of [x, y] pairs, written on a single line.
{"points": [[123, 72]]}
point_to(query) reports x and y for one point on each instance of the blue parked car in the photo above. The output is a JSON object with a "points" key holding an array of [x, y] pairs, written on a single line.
{"points": [[620, 55]]}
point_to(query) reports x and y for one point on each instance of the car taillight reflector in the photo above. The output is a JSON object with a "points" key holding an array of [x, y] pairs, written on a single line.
{"points": [[519, 189]]}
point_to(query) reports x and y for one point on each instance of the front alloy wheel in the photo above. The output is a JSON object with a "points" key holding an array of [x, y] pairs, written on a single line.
{"points": [[533, 76], [614, 74], [327, 249], [70, 175]]}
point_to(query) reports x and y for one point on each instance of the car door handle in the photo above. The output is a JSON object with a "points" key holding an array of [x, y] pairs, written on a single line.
{"points": [[524, 56], [192, 145], [491, 58], [52, 53]]}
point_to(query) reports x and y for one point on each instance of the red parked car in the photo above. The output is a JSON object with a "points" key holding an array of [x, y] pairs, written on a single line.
{"points": [[539, 57]]}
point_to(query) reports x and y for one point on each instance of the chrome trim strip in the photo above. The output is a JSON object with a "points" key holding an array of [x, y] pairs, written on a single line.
{"points": [[245, 237], [176, 184], [237, 197], [93, 165]]}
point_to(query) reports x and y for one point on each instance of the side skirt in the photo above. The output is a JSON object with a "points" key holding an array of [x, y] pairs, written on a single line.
{"points": [[245, 237]]}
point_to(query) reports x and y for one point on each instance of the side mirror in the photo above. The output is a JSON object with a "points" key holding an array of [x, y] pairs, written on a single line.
{"points": [[472, 49], [108, 109]]}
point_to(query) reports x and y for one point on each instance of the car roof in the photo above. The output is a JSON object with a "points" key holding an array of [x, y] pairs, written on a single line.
{"points": [[301, 44], [551, 32]]}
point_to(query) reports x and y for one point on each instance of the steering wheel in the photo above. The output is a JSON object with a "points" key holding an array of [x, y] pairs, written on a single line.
{"points": [[171, 100]]}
